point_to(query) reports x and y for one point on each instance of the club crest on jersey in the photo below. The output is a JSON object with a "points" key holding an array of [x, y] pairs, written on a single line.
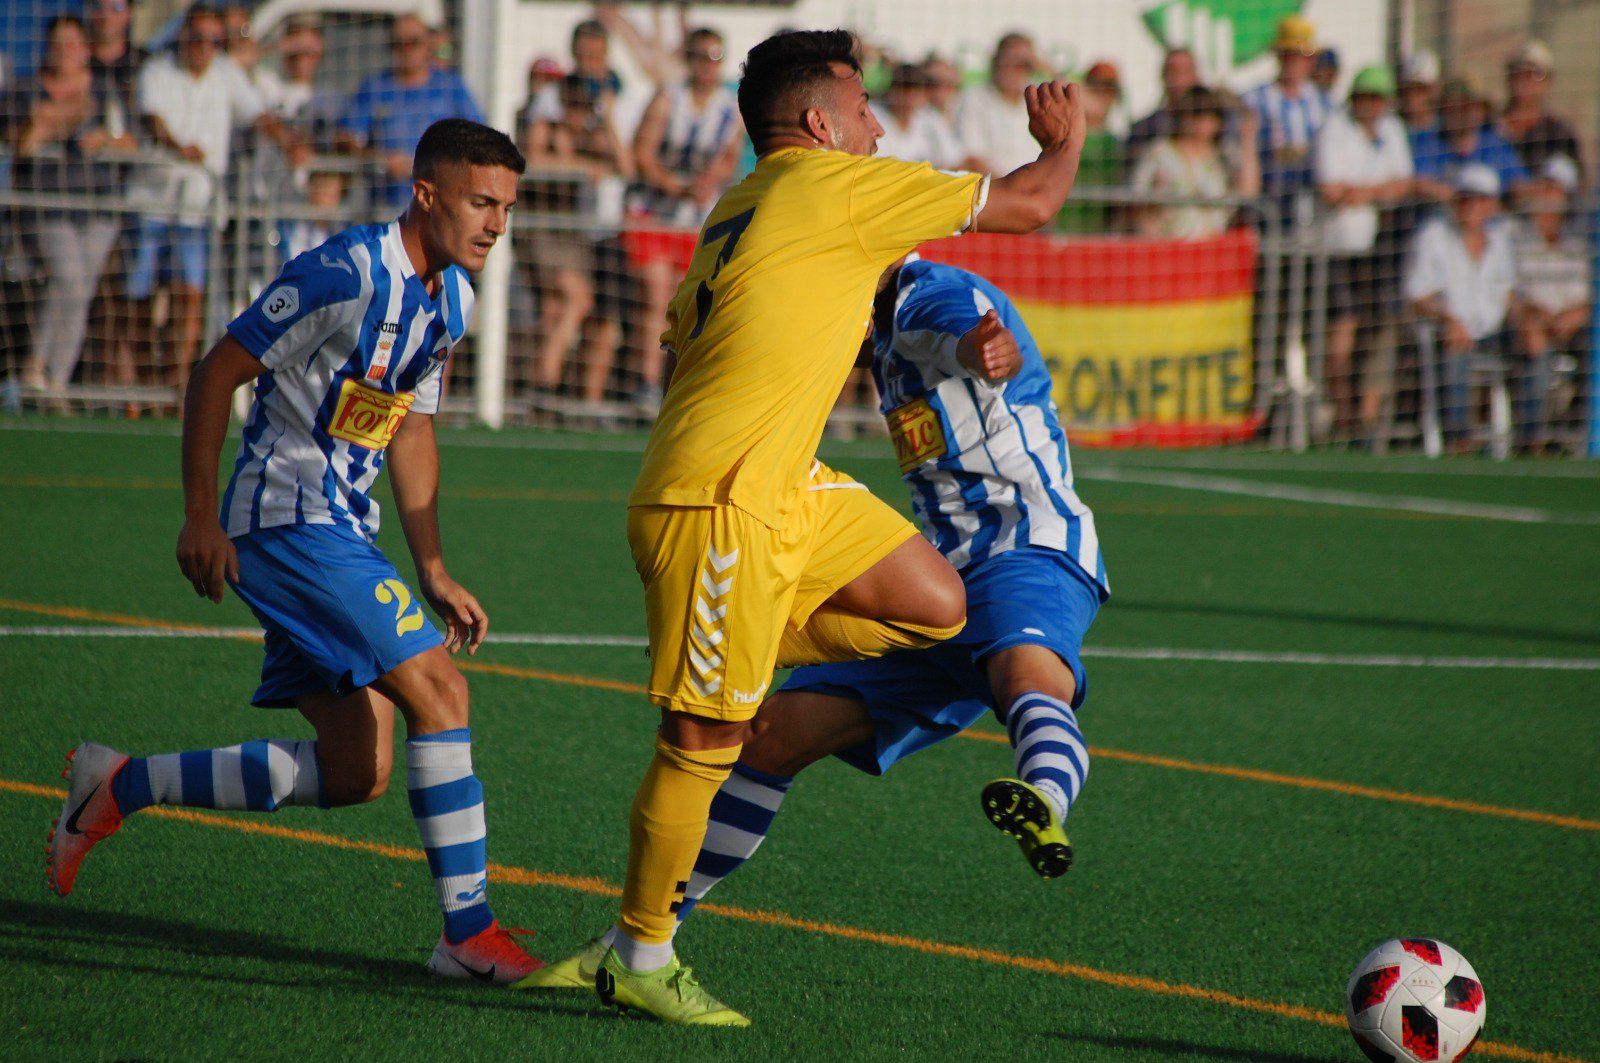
{"points": [[367, 417], [388, 333]]}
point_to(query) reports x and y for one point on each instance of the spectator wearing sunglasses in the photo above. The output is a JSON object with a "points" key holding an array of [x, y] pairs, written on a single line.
{"points": [[386, 116]]}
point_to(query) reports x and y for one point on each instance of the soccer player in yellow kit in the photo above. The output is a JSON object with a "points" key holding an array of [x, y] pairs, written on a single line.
{"points": [[753, 554]]}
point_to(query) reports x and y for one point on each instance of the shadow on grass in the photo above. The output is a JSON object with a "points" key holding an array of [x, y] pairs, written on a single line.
{"points": [[1173, 1047], [1380, 623], [63, 935]]}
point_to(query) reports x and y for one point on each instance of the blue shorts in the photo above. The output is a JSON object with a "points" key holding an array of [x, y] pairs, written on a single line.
{"points": [[1029, 596], [336, 614], [164, 252]]}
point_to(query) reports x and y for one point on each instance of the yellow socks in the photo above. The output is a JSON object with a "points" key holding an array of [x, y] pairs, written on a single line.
{"points": [[834, 635], [666, 829]]}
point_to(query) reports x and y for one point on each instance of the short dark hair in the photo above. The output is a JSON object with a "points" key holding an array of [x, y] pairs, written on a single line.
{"points": [[459, 140], [784, 66], [702, 33], [64, 19], [200, 11], [1200, 100], [590, 27]]}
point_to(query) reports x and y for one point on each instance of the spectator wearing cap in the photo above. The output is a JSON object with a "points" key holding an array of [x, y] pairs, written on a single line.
{"points": [[686, 151], [1291, 109], [910, 125], [1179, 74], [1528, 124], [1101, 162], [1325, 70], [1363, 165], [1461, 277], [1191, 163], [190, 105], [1462, 136], [1419, 91], [386, 116], [1554, 287], [992, 119]]}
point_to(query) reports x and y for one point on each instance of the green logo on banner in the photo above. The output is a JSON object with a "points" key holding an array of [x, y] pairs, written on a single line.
{"points": [[1223, 32]]}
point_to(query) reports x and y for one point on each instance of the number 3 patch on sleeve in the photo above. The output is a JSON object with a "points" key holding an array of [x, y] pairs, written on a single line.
{"points": [[281, 303]]}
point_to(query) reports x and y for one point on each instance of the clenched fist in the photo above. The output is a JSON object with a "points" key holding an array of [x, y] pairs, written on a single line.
{"points": [[989, 351]]}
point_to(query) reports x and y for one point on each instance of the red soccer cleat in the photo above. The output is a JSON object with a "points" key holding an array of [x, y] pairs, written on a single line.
{"points": [[89, 814], [490, 956]]}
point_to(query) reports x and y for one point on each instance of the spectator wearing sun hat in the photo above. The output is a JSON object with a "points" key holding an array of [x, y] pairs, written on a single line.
{"points": [[1461, 276], [1291, 109], [1555, 290], [1363, 165], [1462, 136], [1419, 91], [1527, 123]]}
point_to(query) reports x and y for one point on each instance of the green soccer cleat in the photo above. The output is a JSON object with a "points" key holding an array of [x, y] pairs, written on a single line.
{"points": [[1025, 814], [670, 994], [574, 972]]}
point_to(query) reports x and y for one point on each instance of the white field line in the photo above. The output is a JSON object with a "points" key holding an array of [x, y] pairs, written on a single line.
{"points": [[1228, 485], [1087, 463], [1122, 653]]}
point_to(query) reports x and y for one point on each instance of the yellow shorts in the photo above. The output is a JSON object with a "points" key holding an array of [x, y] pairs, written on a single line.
{"points": [[720, 586]]}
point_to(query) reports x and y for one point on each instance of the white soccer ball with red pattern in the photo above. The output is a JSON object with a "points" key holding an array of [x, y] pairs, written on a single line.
{"points": [[1414, 1000]]}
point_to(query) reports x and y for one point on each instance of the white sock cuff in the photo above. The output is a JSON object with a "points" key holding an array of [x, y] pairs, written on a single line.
{"points": [[435, 756]]}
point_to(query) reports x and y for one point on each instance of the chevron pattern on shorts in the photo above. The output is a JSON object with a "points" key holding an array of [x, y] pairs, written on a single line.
{"points": [[706, 629]]}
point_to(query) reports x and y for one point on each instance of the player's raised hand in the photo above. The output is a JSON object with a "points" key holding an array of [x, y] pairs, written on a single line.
{"points": [[1055, 115], [207, 557], [464, 618], [989, 351]]}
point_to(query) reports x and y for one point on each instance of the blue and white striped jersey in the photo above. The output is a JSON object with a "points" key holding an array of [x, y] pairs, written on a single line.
{"points": [[987, 466], [352, 341]]}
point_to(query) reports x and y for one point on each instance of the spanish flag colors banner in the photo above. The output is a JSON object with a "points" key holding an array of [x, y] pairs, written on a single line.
{"points": [[1148, 341]]}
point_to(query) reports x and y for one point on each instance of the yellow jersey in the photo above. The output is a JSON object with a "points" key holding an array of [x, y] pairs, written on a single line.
{"points": [[768, 321]]}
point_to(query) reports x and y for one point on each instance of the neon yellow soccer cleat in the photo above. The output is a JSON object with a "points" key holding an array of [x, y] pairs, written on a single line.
{"points": [[1021, 811], [575, 972], [671, 994]]}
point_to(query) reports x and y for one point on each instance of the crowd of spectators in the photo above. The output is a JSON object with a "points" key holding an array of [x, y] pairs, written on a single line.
{"points": [[1395, 172]]}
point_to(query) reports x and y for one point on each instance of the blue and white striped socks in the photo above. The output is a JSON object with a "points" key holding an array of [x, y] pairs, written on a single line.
{"points": [[447, 801], [259, 776], [1051, 754], [741, 814]]}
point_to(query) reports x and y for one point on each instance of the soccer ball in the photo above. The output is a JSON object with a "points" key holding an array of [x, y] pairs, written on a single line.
{"points": [[1414, 1000]]}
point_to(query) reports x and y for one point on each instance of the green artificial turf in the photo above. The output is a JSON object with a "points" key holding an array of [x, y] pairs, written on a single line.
{"points": [[187, 939]]}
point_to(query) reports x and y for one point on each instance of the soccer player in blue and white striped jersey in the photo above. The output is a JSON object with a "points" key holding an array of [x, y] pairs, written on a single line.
{"points": [[966, 394], [347, 350]]}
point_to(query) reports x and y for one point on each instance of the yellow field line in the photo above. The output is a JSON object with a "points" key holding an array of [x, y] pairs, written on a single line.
{"points": [[1154, 760], [506, 873]]}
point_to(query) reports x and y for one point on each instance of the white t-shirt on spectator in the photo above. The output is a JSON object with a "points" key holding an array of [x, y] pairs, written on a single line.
{"points": [[197, 110], [1477, 291], [1345, 155], [923, 139], [1553, 277], [994, 129], [1163, 168]]}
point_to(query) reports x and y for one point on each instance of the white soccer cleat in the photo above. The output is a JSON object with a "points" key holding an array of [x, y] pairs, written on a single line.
{"points": [[488, 956], [89, 814]]}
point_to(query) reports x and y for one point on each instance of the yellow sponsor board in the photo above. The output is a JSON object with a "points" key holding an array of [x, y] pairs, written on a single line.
{"points": [[368, 417], [1120, 365]]}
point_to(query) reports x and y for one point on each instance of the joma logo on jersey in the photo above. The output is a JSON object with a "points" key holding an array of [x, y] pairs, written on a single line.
{"points": [[388, 332], [367, 417]]}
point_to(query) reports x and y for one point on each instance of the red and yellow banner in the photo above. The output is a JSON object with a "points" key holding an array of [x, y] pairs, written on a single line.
{"points": [[1148, 341]]}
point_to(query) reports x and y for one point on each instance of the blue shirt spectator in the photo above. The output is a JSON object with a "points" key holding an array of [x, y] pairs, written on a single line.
{"points": [[1462, 135], [389, 111]]}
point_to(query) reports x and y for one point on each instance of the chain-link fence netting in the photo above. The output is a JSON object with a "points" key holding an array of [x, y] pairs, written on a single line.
{"points": [[1296, 222]]}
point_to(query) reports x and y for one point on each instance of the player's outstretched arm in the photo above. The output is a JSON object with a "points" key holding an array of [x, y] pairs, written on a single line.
{"points": [[414, 475], [205, 553], [1028, 197]]}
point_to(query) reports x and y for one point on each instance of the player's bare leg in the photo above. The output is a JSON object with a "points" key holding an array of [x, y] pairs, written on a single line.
{"points": [[187, 320], [1033, 695]]}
